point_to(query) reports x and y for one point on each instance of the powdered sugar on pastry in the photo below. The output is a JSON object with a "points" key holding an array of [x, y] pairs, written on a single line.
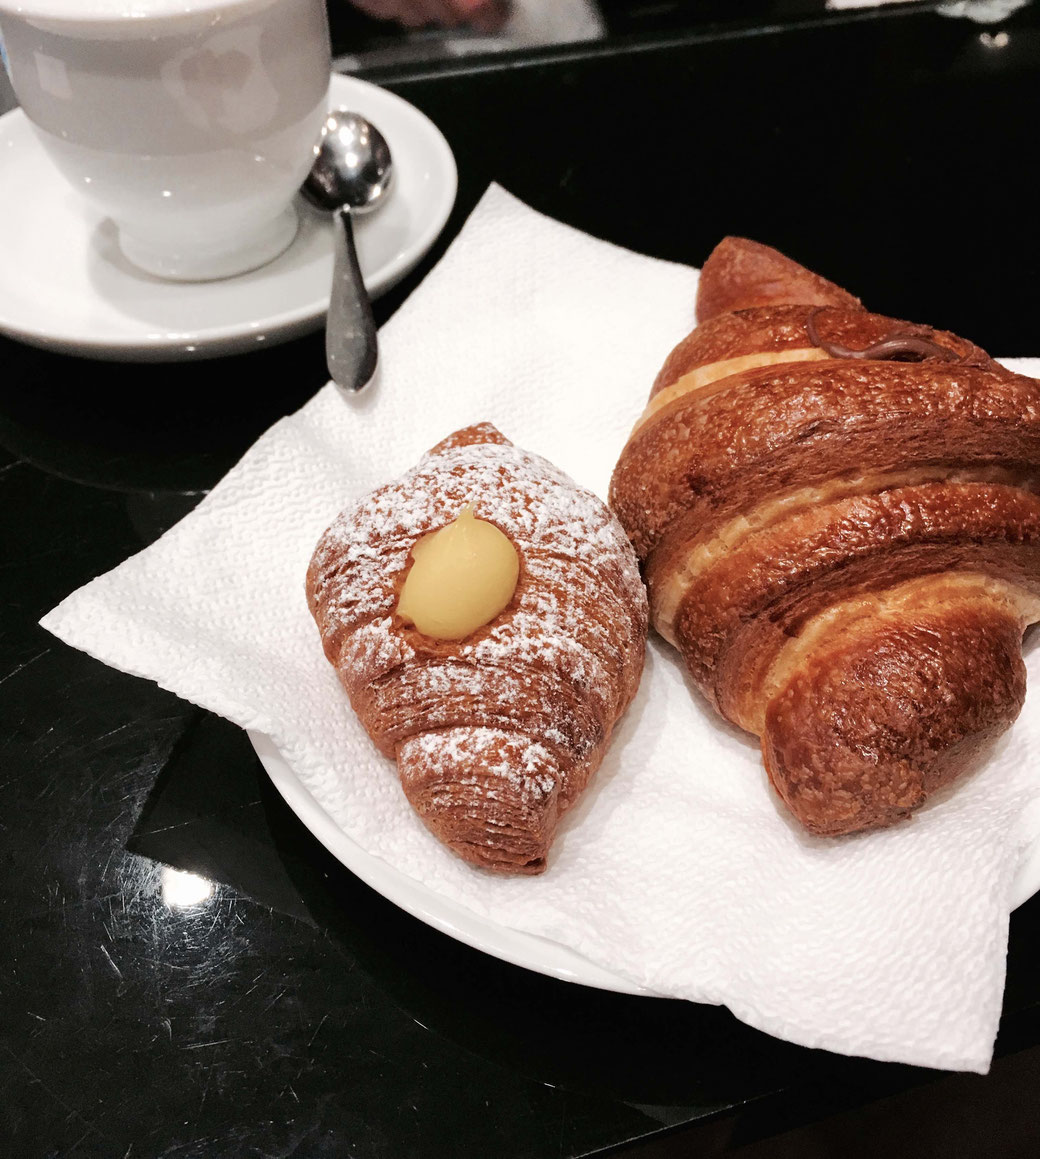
{"points": [[530, 698]]}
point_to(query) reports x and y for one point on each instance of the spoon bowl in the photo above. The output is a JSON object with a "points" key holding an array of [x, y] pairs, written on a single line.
{"points": [[352, 164], [352, 174]]}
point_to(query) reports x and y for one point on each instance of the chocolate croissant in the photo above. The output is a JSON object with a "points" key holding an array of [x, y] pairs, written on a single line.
{"points": [[838, 518], [498, 731]]}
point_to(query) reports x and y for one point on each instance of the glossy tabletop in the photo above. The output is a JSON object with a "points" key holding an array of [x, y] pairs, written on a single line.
{"points": [[184, 971]]}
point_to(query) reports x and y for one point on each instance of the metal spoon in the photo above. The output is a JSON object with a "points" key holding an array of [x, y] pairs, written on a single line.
{"points": [[351, 174]]}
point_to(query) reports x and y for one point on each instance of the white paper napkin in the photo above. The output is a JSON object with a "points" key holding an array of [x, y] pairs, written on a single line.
{"points": [[678, 869]]}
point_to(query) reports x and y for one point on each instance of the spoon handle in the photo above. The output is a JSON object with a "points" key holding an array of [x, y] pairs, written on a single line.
{"points": [[351, 349]]}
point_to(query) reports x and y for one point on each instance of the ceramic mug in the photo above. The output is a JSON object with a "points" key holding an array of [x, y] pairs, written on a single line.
{"points": [[191, 123]]}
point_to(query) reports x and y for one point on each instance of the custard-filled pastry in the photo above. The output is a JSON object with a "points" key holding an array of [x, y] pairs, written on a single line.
{"points": [[487, 619], [838, 518]]}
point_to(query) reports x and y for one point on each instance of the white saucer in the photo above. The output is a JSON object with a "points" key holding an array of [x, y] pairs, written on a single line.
{"points": [[521, 949], [65, 286]]}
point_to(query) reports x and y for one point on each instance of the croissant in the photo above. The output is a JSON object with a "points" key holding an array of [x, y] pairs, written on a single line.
{"points": [[838, 519], [496, 734]]}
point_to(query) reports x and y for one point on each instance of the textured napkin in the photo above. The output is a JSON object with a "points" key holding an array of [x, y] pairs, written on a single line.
{"points": [[678, 868]]}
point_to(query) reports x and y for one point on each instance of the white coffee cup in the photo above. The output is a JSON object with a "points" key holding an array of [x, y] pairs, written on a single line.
{"points": [[191, 123]]}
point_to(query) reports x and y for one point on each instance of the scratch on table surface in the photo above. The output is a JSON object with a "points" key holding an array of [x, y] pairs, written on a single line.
{"points": [[12, 731], [281, 994], [21, 667], [205, 1092], [89, 1131], [167, 828], [111, 962], [318, 1031], [113, 731], [53, 1094], [98, 739]]}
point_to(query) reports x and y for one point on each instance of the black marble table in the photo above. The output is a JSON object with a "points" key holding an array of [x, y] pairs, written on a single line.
{"points": [[183, 970]]}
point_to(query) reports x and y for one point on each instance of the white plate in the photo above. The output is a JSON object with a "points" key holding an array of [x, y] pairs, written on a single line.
{"points": [[521, 949], [65, 286], [527, 950]]}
